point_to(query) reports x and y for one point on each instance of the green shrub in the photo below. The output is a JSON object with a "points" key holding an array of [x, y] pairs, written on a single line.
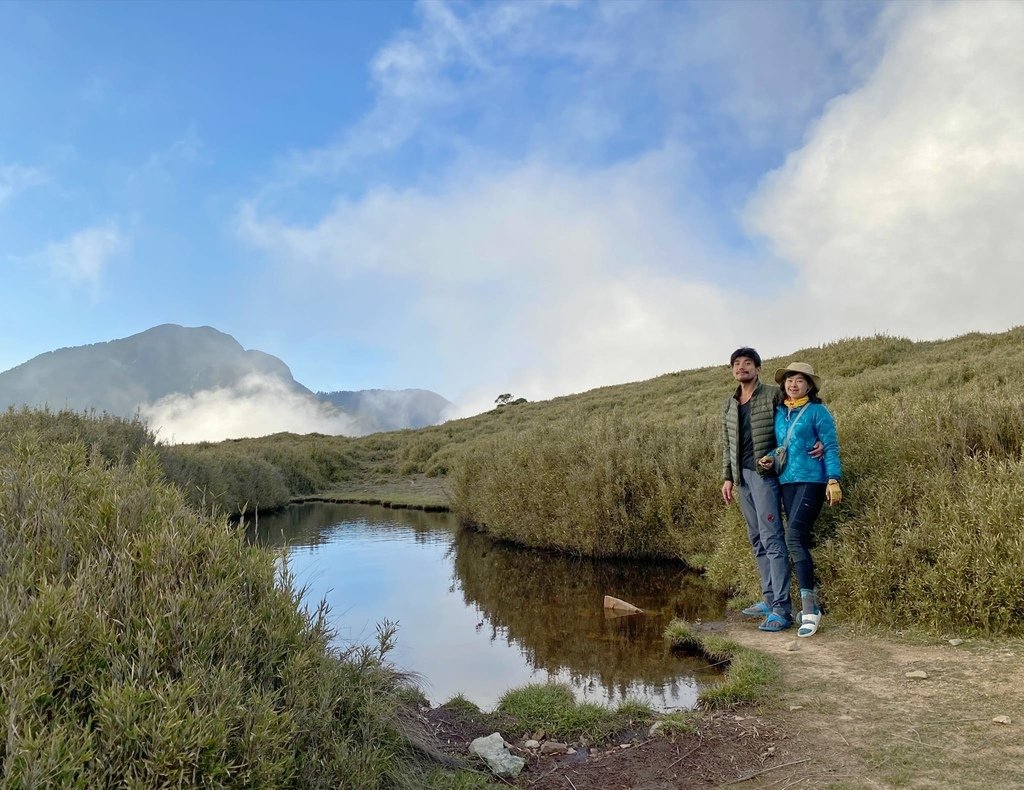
{"points": [[146, 645]]}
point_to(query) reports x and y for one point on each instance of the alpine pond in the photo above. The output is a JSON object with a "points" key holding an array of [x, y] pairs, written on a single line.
{"points": [[478, 617]]}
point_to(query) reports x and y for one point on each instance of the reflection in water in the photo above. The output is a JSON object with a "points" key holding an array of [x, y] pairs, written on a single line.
{"points": [[478, 617], [551, 606], [317, 523]]}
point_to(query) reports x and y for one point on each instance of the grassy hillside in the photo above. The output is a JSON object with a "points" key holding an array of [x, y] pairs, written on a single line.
{"points": [[931, 435]]}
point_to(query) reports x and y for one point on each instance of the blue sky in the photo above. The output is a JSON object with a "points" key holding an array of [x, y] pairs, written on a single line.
{"points": [[523, 197]]}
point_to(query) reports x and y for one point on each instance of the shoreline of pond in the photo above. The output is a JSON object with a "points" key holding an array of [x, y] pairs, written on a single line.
{"points": [[395, 503]]}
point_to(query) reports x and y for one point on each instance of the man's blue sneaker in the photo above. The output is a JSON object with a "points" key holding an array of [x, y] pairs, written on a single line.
{"points": [[759, 609], [776, 622]]}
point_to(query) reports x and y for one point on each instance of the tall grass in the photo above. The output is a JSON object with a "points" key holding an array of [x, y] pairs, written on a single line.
{"points": [[147, 645], [611, 485]]}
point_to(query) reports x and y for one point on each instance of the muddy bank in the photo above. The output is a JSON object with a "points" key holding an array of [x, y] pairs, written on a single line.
{"points": [[362, 499]]}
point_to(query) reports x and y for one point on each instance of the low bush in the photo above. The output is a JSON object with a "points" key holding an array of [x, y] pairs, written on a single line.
{"points": [[147, 645]]}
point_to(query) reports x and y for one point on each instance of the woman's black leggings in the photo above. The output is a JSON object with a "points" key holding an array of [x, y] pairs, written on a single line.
{"points": [[802, 502]]}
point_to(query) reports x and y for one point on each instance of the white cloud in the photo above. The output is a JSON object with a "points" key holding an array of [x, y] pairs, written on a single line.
{"points": [[17, 178], [536, 280], [571, 77], [258, 405], [902, 210], [82, 259], [499, 244]]}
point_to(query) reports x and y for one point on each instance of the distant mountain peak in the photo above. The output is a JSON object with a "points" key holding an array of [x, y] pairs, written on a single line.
{"points": [[179, 367]]}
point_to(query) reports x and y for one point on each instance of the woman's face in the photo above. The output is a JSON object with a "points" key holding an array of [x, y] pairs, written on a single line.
{"points": [[796, 386]]}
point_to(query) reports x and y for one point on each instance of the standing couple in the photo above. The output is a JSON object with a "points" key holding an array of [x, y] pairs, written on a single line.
{"points": [[780, 450]]}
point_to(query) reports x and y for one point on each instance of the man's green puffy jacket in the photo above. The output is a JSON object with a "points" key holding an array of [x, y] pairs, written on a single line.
{"points": [[762, 426]]}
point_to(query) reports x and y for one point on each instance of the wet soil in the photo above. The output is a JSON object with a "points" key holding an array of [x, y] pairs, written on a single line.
{"points": [[845, 716], [727, 747]]}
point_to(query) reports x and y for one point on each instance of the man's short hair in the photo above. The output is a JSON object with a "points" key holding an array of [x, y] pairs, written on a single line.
{"points": [[747, 352]]}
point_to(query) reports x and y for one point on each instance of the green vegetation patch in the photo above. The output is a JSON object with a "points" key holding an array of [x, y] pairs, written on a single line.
{"points": [[459, 704], [551, 707], [751, 678], [679, 723]]}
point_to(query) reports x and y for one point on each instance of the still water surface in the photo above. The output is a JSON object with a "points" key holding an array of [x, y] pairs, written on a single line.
{"points": [[478, 617]]}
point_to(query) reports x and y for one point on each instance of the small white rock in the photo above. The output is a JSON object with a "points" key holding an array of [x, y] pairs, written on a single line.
{"points": [[532, 744], [1002, 719], [623, 745], [570, 750], [956, 642], [796, 707], [793, 646], [917, 674]]}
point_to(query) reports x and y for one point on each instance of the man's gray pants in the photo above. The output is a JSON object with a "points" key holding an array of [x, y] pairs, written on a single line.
{"points": [[759, 503]]}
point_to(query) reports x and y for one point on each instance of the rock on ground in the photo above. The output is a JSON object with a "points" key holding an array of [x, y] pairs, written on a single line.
{"points": [[499, 759]]}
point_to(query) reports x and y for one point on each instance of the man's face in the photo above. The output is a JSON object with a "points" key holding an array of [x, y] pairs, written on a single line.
{"points": [[744, 370]]}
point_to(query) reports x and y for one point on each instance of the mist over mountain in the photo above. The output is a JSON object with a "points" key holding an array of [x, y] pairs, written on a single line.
{"points": [[390, 410], [198, 383]]}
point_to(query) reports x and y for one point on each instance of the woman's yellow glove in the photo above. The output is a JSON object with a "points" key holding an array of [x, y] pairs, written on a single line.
{"points": [[833, 493]]}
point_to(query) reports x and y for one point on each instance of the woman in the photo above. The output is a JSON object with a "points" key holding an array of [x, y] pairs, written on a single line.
{"points": [[806, 483]]}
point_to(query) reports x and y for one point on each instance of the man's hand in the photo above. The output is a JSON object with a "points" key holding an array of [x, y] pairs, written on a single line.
{"points": [[817, 451], [727, 492]]}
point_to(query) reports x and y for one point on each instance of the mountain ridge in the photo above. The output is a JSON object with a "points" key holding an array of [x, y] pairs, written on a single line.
{"points": [[125, 376]]}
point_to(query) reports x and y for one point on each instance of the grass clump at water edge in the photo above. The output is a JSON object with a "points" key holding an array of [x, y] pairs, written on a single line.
{"points": [[551, 707], [750, 679]]}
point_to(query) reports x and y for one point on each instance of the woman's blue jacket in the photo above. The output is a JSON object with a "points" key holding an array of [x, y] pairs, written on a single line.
{"points": [[816, 424]]}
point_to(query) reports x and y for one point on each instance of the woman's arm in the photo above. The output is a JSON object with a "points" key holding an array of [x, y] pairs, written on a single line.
{"points": [[825, 426]]}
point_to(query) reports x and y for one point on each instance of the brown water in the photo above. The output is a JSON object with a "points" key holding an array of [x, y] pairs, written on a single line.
{"points": [[478, 617]]}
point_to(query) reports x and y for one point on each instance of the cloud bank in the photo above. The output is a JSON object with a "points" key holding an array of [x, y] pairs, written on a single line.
{"points": [[901, 213], [257, 406]]}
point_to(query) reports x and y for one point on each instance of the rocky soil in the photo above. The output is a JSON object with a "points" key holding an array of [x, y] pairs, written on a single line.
{"points": [[853, 711]]}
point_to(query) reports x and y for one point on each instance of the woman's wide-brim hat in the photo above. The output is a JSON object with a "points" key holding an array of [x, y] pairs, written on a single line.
{"points": [[798, 367]]}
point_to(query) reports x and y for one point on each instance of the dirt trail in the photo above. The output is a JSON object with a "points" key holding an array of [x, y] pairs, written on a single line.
{"points": [[846, 700], [845, 717]]}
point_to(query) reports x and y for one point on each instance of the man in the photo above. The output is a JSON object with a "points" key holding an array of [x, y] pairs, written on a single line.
{"points": [[748, 433]]}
